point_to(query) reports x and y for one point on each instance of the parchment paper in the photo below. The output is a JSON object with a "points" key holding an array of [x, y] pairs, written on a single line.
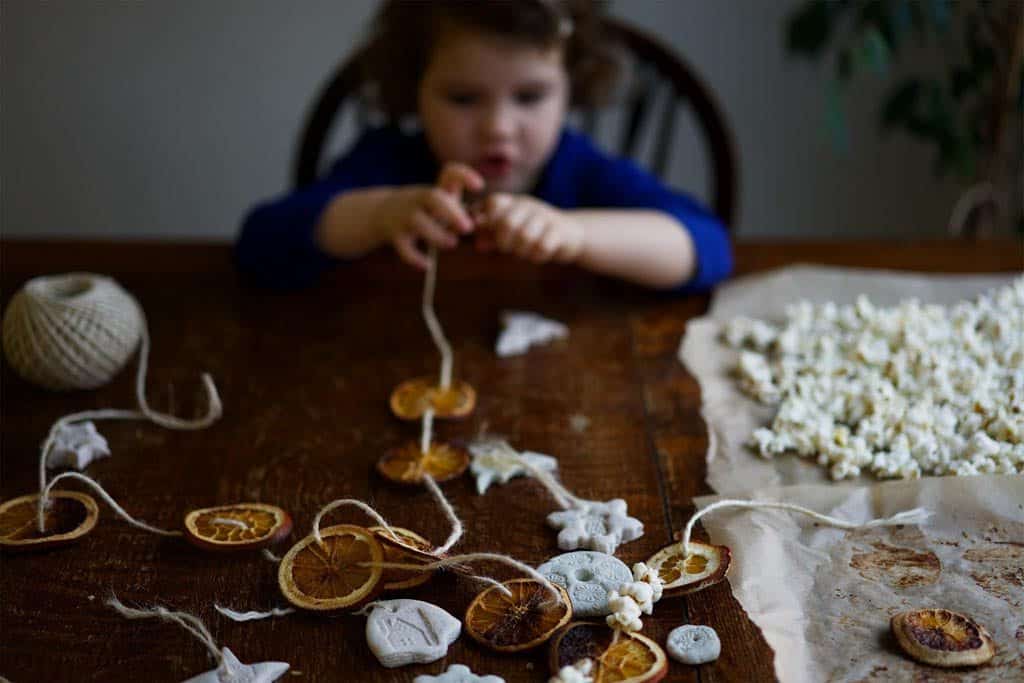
{"points": [[730, 416], [823, 597]]}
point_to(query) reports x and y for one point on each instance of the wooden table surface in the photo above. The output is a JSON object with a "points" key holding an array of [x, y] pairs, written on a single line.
{"points": [[305, 379]]}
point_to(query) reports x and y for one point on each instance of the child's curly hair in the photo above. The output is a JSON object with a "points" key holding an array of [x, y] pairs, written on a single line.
{"points": [[404, 34]]}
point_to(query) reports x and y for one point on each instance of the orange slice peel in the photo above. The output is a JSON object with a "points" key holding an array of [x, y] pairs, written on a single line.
{"points": [[411, 399], [404, 546], [616, 655], [704, 565], [242, 526], [69, 516], [943, 638], [338, 571], [521, 620], [408, 463]]}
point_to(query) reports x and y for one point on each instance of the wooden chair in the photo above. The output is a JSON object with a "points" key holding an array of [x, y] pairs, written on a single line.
{"points": [[662, 83]]}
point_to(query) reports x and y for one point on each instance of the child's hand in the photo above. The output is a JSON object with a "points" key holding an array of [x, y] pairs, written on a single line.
{"points": [[432, 214], [528, 228]]}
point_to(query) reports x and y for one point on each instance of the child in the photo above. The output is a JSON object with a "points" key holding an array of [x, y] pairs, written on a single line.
{"points": [[491, 83]]}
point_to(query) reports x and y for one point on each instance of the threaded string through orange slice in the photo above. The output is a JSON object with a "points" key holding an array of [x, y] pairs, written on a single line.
{"points": [[338, 572], [518, 621], [69, 516], [408, 463], [412, 398], [237, 527]]}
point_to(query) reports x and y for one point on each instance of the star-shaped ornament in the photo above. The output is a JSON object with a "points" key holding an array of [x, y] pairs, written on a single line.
{"points": [[458, 673], [601, 526], [495, 461], [76, 445], [233, 671], [523, 330]]}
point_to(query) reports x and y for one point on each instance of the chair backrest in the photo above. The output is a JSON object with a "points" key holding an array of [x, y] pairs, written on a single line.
{"points": [[662, 83]]}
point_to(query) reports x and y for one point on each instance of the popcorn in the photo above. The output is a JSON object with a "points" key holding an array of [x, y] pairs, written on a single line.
{"points": [[900, 392]]}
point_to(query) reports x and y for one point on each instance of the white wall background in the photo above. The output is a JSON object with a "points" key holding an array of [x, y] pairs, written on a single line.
{"points": [[158, 119]]}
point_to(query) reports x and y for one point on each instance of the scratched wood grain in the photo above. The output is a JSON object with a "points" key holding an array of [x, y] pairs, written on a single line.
{"points": [[305, 378]]}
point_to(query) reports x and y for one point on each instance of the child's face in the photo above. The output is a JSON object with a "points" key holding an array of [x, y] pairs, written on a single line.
{"points": [[495, 105]]}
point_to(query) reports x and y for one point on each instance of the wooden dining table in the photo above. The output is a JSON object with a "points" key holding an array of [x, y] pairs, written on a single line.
{"points": [[305, 377]]}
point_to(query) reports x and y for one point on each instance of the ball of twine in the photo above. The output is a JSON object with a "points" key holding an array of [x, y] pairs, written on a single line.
{"points": [[71, 331]]}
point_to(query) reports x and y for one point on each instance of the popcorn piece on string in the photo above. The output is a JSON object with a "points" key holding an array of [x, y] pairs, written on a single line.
{"points": [[77, 445], [641, 572], [625, 612], [602, 526], [458, 673], [495, 461], [576, 673], [523, 330]]}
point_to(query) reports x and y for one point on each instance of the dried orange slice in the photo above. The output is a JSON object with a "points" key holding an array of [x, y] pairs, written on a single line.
{"points": [[237, 527], [705, 566], [332, 576], [407, 464], [69, 516], [616, 655], [525, 619], [942, 638], [412, 398], [402, 545]]}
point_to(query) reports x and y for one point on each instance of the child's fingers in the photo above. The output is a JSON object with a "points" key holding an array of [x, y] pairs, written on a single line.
{"points": [[496, 206], [457, 177], [526, 239], [427, 227], [510, 226], [546, 246], [447, 210], [405, 245]]}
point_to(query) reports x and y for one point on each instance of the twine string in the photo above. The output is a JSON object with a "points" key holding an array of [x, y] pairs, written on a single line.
{"points": [[449, 511], [187, 621], [914, 516], [455, 560], [429, 284], [104, 495], [355, 503], [427, 433], [214, 411]]}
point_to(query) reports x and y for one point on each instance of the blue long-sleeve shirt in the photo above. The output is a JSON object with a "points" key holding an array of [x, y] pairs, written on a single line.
{"points": [[276, 246]]}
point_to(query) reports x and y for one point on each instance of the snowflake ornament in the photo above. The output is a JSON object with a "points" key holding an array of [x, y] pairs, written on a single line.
{"points": [[458, 673], [601, 526]]}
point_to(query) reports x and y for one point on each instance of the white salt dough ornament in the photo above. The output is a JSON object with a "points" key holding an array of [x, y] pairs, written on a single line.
{"points": [[601, 526], [523, 330], [577, 673], [588, 577], [233, 671], [401, 632], [76, 445], [458, 673], [496, 461], [691, 644]]}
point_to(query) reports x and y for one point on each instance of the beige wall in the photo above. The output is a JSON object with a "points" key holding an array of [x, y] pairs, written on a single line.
{"points": [[167, 119]]}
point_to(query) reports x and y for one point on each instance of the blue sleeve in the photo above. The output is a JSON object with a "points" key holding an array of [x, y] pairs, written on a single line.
{"points": [[276, 247], [619, 183]]}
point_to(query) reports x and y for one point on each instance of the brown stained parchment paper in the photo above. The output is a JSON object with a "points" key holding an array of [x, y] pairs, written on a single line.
{"points": [[823, 597]]}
